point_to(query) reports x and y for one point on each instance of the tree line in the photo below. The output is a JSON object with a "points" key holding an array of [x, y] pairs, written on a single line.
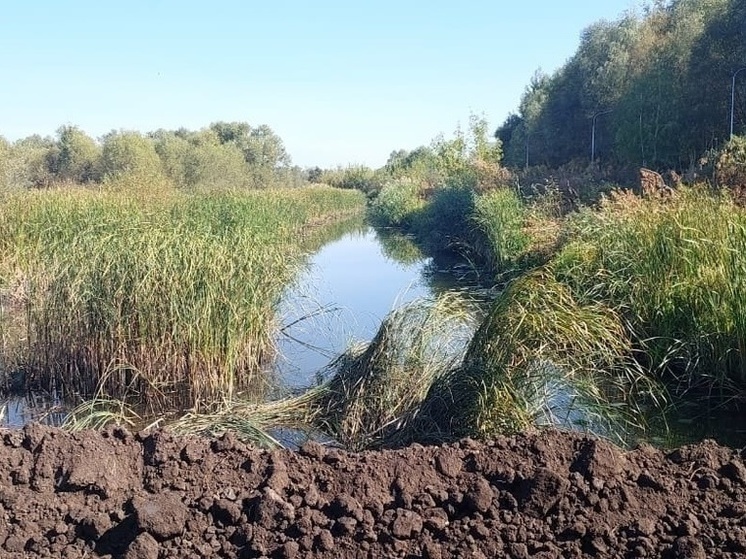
{"points": [[224, 154], [656, 84]]}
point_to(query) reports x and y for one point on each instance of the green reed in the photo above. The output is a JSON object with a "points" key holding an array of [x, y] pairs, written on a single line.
{"points": [[675, 268], [156, 297]]}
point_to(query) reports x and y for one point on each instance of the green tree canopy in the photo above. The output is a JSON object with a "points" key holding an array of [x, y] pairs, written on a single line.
{"points": [[658, 83], [77, 156], [127, 152]]}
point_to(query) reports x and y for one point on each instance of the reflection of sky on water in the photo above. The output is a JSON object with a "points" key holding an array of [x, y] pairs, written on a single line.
{"points": [[350, 285], [17, 411]]}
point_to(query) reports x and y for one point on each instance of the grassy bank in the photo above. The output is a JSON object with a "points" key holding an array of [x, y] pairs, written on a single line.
{"points": [[612, 309], [155, 298], [675, 268]]}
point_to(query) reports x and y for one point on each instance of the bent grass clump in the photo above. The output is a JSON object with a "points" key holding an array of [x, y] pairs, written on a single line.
{"points": [[376, 391], [540, 357]]}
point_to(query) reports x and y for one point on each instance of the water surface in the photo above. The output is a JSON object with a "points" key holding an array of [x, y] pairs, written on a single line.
{"points": [[342, 296]]}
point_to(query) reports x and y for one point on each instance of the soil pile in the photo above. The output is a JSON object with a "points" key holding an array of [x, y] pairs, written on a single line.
{"points": [[148, 496]]}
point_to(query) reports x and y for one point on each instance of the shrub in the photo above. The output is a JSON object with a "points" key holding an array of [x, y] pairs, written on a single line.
{"points": [[397, 204], [358, 177], [446, 222], [129, 152], [730, 169]]}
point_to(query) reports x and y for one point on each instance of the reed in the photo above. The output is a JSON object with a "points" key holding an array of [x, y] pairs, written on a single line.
{"points": [[376, 390], [540, 357], [158, 298], [675, 269], [499, 218], [253, 422], [98, 413]]}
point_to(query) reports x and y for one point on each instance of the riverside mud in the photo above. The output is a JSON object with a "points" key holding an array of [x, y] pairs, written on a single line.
{"points": [[554, 494]]}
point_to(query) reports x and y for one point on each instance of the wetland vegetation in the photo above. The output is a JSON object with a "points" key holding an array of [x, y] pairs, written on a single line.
{"points": [[145, 272]]}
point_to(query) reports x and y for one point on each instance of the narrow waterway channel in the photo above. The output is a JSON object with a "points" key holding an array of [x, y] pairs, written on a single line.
{"points": [[341, 297], [346, 290]]}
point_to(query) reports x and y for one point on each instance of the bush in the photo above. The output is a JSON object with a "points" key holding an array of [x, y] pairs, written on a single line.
{"points": [[129, 152], [730, 169], [358, 177], [446, 221], [397, 204]]}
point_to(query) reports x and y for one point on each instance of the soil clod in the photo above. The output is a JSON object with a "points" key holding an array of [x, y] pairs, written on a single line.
{"points": [[547, 495]]}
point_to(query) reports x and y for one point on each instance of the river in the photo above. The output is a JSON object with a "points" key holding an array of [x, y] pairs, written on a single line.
{"points": [[341, 297]]}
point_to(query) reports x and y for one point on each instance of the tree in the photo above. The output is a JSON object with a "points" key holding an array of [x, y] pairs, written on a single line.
{"points": [[315, 174], [77, 156], [216, 166], [236, 133], [31, 156], [173, 149], [5, 163], [266, 149], [126, 152], [261, 146]]}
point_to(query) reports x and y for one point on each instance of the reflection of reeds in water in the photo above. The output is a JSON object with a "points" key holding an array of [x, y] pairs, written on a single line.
{"points": [[17, 410]]}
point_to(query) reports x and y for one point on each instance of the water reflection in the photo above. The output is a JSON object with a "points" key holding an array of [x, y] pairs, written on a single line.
{"points": [[342, 296], [18, 410]]}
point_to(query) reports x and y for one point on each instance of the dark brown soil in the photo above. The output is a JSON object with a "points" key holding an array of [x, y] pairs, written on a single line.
{"points": [[115, 494]]}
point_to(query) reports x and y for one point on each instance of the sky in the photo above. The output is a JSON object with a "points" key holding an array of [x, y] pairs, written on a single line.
{"points": [[342, 82]]}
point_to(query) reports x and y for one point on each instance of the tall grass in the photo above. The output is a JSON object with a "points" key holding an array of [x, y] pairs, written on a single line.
{"points": [[539, 357], [165, 296], [499, 218], [625, 298], [376, 391], [676, 270], [495, 229]]}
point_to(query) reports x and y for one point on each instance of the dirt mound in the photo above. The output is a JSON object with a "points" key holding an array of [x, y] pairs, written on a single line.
{"points": [[115, 494]]}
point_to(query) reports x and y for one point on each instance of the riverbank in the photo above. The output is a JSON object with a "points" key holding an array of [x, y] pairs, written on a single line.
{"points": [[635, 302], [553, 494]]}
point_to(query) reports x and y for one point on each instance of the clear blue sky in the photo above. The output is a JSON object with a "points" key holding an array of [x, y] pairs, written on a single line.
{"points": [[340, 81]]}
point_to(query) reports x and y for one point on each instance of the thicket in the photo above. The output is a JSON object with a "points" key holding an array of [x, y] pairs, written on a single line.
{"points": [[656, 83], [223, 155]]}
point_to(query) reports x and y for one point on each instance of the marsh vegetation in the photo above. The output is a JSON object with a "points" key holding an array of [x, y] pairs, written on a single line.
{"points": [[162, 303], [143, 273], [166, 299]]}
